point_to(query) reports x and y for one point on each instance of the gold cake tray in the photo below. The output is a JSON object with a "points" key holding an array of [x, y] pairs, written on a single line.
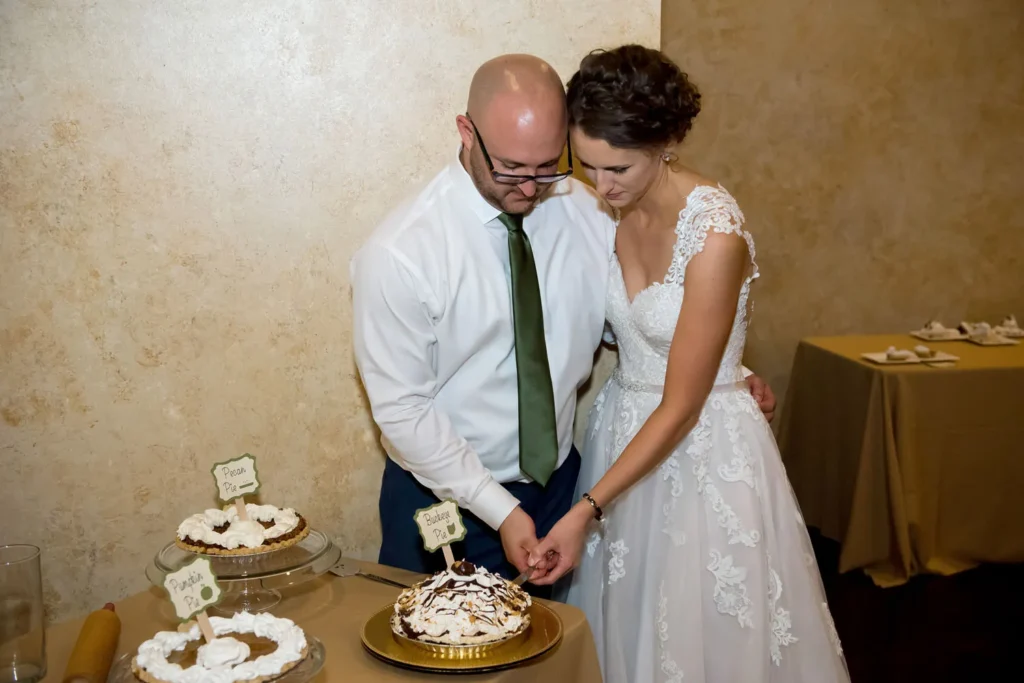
{"points": [[543, 634]]}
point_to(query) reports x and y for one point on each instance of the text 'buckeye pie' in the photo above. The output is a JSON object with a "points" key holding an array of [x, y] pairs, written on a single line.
{"points": [[464, 605], [265, 648], [221, 532]]}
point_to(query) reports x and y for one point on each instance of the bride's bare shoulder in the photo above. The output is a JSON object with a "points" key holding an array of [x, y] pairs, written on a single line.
{"points": [[687, 180]]}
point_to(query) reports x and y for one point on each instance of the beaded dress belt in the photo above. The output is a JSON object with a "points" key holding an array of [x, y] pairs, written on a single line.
{"points": [[647, 388], [631, 385]]}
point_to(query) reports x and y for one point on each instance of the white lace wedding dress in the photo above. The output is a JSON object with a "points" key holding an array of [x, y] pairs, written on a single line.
{"points": [[702, 572]]}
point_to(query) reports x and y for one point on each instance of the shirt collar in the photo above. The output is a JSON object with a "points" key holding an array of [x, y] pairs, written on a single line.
{"points": [[469, 195]]}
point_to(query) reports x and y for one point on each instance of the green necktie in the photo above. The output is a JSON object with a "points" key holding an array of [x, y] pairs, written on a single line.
{"points": [[538, 433]]}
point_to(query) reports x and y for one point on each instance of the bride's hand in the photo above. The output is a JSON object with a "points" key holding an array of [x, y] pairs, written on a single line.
{"points": [[565, 541]]}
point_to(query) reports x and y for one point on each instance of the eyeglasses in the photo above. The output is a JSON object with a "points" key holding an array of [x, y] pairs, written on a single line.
{"points": [[514, 179]]}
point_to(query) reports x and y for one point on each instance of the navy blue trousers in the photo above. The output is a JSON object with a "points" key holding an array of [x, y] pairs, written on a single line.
{"points": [[401, 496]]}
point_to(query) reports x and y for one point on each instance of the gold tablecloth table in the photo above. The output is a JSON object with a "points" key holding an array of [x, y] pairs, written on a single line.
{"points": [[334, 609], [911, 468]]}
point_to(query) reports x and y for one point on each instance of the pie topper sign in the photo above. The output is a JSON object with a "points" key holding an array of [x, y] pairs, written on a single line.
{"points": [[441, 525], [193, 589], [236, 479]]}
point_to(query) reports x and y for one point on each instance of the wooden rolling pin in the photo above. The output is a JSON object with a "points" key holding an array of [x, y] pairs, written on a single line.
{"points": [[94, 650]]}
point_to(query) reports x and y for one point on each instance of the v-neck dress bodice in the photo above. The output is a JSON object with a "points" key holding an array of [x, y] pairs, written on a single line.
{"points": [[644, 327]]}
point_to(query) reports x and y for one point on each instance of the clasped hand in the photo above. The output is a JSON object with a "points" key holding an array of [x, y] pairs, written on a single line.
{"points": [[554, 555], [519, 539]]}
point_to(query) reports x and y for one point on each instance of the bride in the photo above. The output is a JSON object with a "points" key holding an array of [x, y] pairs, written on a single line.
{"points": [[699, 567]]}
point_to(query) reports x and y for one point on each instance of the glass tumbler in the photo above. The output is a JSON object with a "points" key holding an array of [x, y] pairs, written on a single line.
{"points": [[22, 638]]}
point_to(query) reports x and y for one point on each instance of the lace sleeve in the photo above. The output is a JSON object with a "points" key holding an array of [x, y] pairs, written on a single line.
{"points": [[707, 209]]}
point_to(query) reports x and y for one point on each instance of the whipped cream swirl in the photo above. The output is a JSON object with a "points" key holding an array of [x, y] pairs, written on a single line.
{"points": [[222, 652]]}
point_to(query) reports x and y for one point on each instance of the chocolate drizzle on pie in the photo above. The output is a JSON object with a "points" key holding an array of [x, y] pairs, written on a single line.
{"points": [[463, 605]]}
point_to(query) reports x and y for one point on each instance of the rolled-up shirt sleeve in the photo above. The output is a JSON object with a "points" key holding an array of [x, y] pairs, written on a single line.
{"points": [[395, 351], [608, 336]]}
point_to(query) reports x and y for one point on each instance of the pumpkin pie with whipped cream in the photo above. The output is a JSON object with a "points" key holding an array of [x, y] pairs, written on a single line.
{"points": [[221, 532], [248, 647]]}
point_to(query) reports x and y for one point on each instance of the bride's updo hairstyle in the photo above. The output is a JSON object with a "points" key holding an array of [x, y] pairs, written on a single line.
{"points": [[632, 97]]}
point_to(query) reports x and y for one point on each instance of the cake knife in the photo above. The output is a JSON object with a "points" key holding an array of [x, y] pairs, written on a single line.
{"points": [[528, 572], [522, 578], [347, 567]]}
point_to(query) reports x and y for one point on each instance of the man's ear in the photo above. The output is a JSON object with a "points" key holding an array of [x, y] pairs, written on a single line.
{"points": [[466, 131]]}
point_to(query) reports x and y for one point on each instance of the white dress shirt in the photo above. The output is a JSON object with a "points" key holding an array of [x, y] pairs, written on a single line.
{"points": [[434, 339]]}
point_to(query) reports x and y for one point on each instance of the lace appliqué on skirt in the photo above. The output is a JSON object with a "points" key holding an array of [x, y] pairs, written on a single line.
{"points": [[616, 565], [669, 667], [730, 592], [782, 622], [699, 450]]}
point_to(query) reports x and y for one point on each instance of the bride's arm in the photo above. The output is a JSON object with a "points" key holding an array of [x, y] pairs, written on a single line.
{"points": [[713, 279]]}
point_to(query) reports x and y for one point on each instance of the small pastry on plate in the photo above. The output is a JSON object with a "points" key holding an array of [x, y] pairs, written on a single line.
{"points": [[981, 332], [892, 353], [1009, 328], [922, 351]]}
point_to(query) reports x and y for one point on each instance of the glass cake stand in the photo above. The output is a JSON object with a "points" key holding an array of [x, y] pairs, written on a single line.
{"points": [[253, 582]]}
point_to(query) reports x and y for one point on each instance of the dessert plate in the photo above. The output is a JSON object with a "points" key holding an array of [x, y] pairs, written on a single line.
{"points": [[946, 335], [939, 357], [544, 633], [994, 340], [1009, 332], [881, 359]]}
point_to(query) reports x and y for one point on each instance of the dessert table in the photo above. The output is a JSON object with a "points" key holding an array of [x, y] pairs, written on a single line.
{"points": [[912, 468], [334, 609]]}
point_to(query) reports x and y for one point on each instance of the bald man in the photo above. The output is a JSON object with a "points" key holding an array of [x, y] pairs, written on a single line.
{"points": [[478, 307]]}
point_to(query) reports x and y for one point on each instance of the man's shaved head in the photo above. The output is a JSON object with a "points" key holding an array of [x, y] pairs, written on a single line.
{"points": [[517, 105], [517, 80]]}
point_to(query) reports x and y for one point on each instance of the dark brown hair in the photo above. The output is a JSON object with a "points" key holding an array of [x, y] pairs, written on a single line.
{"points": [[632, 97]]}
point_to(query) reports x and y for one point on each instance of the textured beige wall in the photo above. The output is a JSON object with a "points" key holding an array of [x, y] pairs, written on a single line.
{"points": [[877, 149], [181, 187]]}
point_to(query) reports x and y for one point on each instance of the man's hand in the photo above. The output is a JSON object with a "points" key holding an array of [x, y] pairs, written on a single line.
{"points": [[763, 395], [518, 538], [564, 545]]}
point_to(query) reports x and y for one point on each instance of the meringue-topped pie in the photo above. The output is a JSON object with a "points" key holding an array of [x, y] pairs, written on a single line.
{"points": [[464, 605]]}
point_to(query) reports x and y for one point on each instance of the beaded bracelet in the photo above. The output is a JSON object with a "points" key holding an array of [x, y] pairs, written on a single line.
{"points": [[599, 514]]}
